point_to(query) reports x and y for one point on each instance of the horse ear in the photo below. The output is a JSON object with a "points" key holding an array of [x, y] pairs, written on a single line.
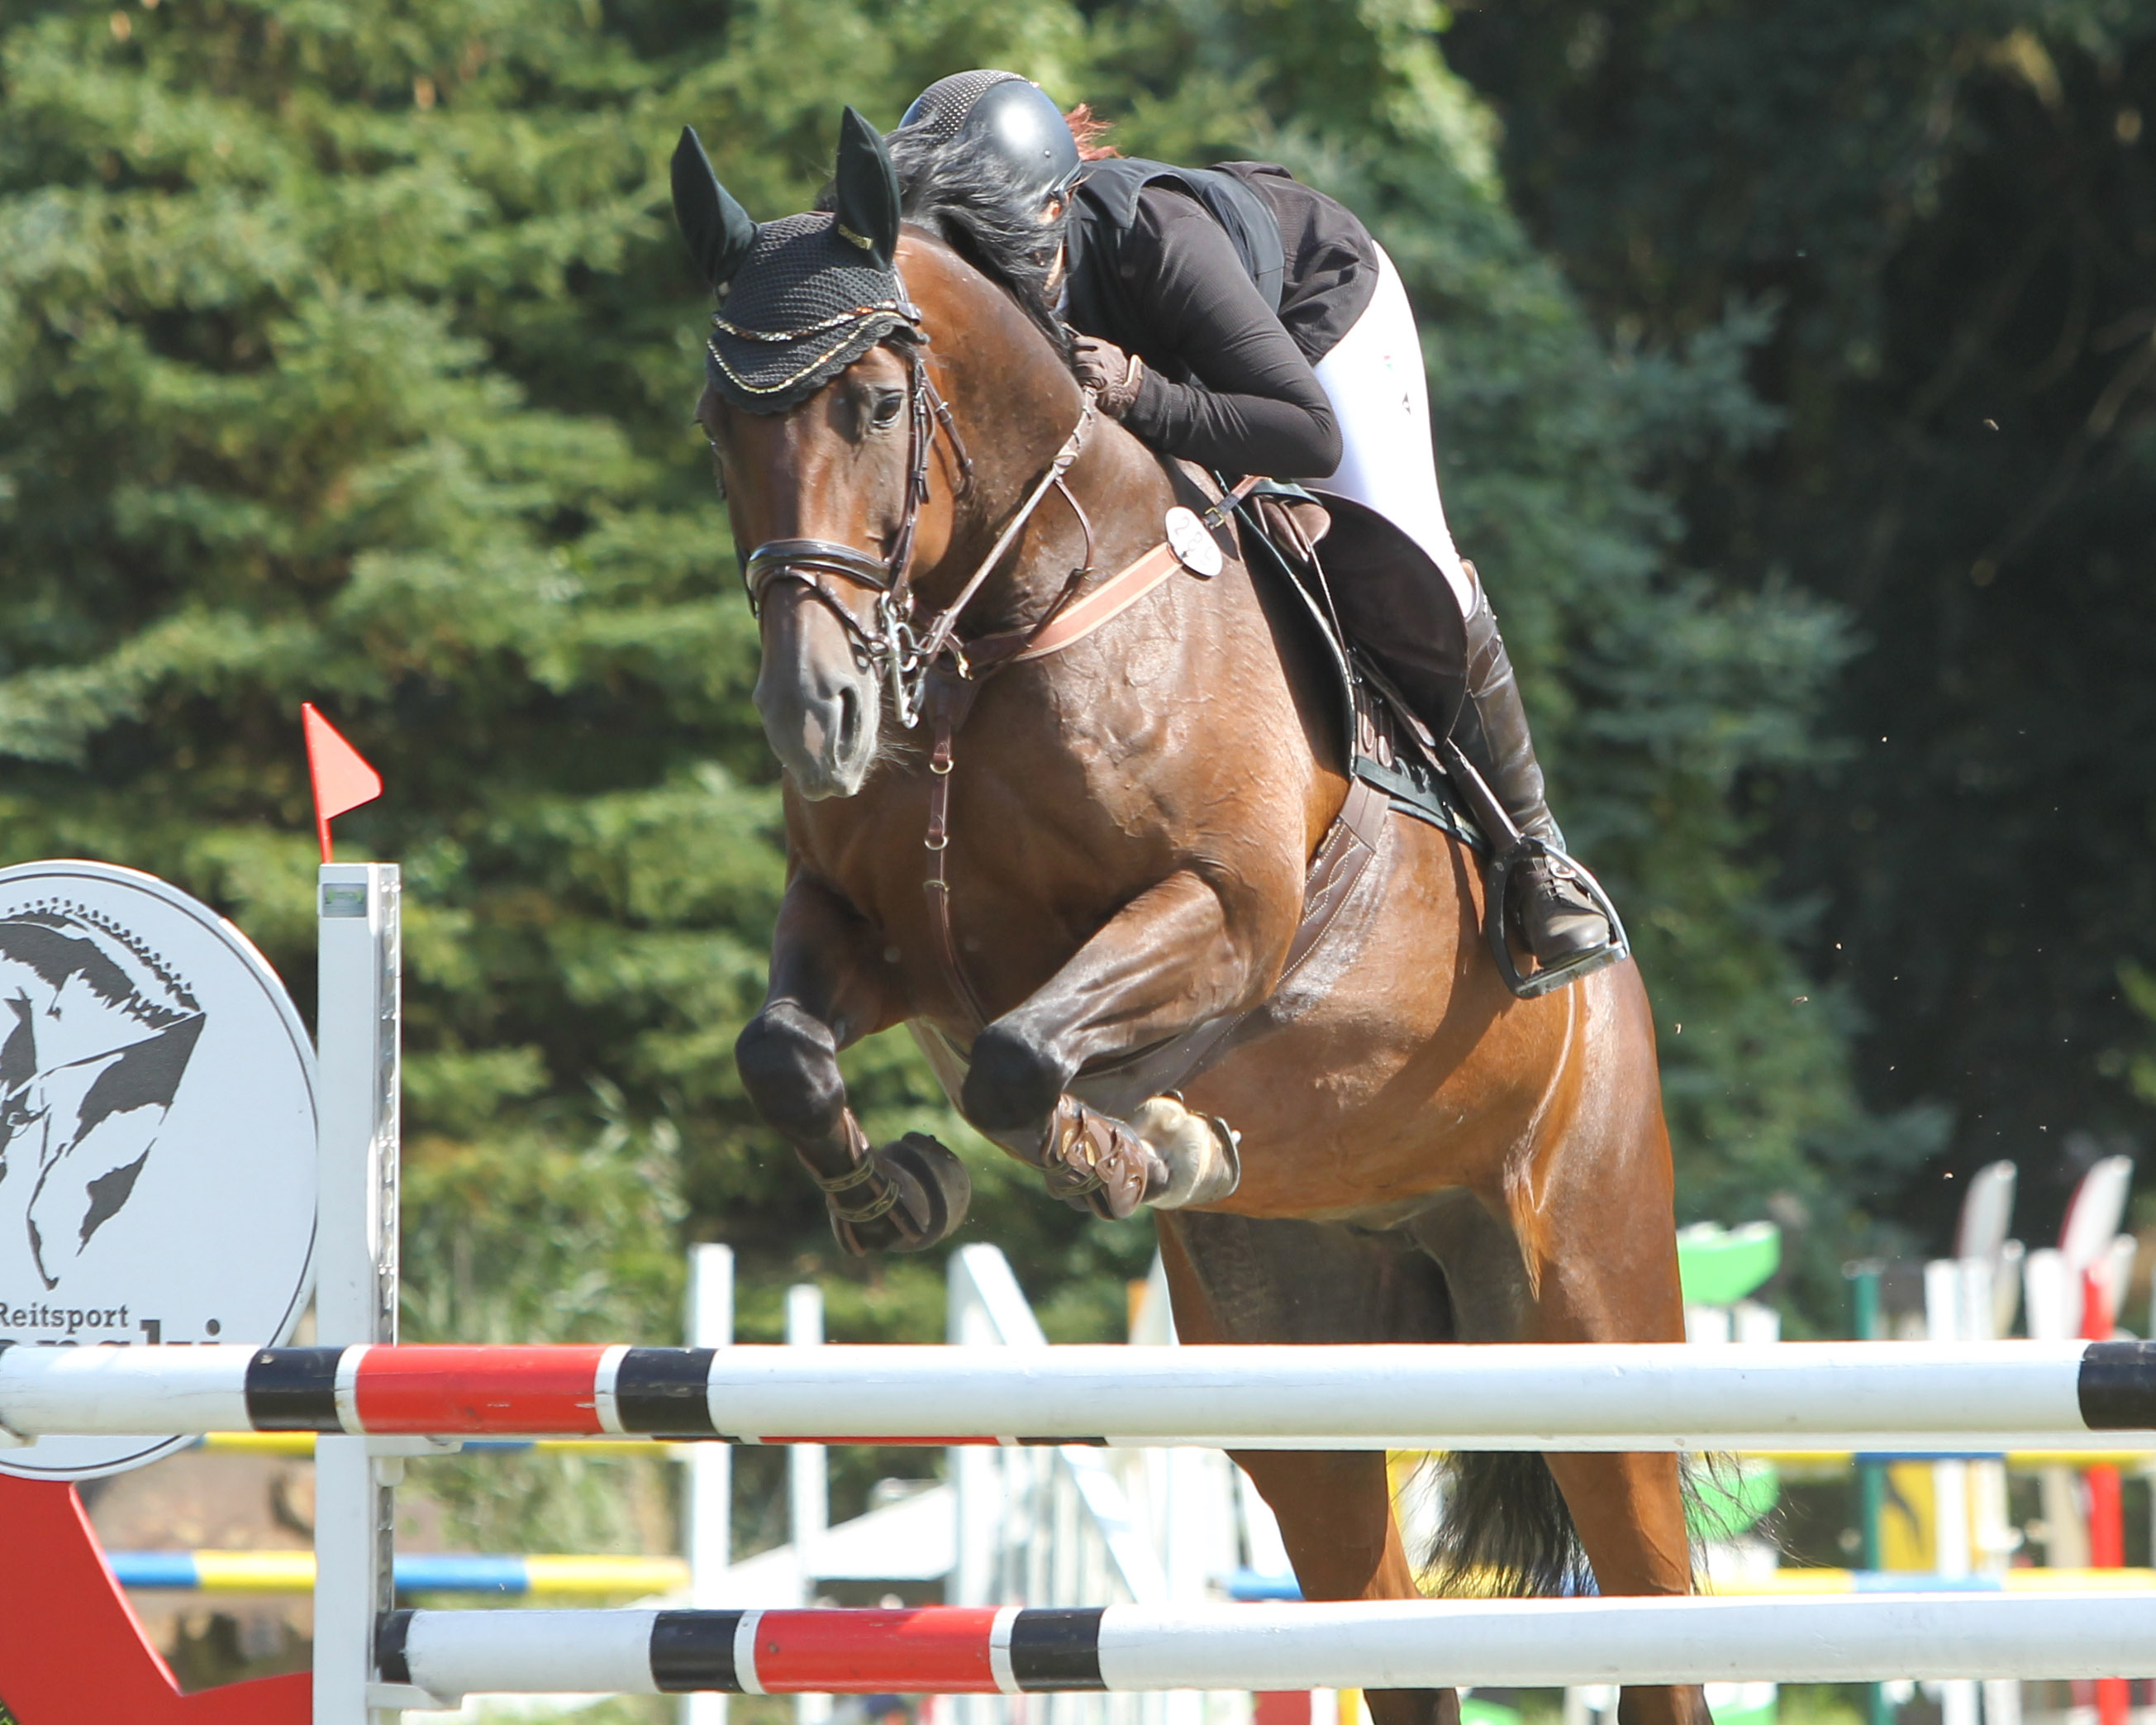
{"points": [[866, 189], [718, 229]]}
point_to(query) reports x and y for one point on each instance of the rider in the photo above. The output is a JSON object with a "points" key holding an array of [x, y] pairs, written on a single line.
{"points": [[1238, 318]]}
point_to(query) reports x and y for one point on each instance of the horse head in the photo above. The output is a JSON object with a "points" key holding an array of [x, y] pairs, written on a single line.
{"points": [[855, 368]]}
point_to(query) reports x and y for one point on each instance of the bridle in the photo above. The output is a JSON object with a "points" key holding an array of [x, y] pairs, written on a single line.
{"points": [[902, 646]]}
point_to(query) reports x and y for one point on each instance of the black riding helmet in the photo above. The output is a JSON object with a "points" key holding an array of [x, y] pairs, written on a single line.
{"points": [[1006, 114]]}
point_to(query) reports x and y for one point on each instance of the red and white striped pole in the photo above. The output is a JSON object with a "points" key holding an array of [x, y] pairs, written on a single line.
{"points": [[1395, 1644], [1952, 1398]]}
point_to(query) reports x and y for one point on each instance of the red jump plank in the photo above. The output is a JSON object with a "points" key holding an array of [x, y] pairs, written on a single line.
{"points": [[447, 1389], [943, 1651]]}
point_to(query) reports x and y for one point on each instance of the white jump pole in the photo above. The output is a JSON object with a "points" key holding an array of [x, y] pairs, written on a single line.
{"points": [[357, 1038], [1955, 1397], [1423, 1643]]}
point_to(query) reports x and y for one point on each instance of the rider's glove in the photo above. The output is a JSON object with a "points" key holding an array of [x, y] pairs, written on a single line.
{"points": [[1112, 375]]}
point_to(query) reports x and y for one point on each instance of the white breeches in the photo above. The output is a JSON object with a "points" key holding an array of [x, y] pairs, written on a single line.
{"points": [[1374, 377]]}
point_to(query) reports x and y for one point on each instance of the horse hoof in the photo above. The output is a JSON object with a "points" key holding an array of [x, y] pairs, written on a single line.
{"points": [[932, 1192], [943, 1182], [1094, 1162]]}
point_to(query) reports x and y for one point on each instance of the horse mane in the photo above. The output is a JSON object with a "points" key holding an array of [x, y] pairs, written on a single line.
{"points": [[973, 203]]}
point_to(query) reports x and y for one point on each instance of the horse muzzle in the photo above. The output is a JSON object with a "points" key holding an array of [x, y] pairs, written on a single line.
{"points": [[822, 709]]}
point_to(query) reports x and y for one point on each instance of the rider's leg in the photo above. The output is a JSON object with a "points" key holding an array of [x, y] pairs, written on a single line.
{"points": [[1393, 608], [1407, 619], [1561, 923], [1374, 377]]}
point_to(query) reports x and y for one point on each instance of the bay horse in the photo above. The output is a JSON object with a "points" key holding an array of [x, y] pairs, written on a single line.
{"points": [[1115, 826]]}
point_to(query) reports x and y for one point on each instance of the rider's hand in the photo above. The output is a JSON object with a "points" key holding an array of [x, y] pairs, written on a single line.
{"points": [[1112, 375]]}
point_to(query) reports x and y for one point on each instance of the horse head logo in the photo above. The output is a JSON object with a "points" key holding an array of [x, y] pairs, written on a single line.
{"points": [[95, 1035]]}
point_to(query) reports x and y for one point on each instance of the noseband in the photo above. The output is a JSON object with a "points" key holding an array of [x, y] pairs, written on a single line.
{"points": [[899, 646]]}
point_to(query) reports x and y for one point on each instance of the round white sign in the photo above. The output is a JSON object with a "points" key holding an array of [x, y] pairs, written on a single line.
{"points": [[157, 1133], [1197, 550]]}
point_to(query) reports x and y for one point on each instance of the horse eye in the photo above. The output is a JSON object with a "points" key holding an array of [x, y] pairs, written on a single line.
{"points": [[885, 413], [718, 473]]}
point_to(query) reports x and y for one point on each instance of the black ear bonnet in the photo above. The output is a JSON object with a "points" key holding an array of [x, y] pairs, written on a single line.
{"points": [[801, 298]]}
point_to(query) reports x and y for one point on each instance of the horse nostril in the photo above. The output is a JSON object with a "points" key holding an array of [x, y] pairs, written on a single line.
{"points": [[849, 722]]}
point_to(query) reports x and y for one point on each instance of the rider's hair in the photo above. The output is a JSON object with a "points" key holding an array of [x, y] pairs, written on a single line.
{"points": [[973, 201], [1089, 132]]}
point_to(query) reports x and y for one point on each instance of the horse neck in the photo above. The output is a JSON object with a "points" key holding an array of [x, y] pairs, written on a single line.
{"points": [[1113, 481], [1015, 404]]}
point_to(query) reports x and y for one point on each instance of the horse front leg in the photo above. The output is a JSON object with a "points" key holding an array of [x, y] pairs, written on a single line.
{"points": [[1173, 959], [830, 987]]}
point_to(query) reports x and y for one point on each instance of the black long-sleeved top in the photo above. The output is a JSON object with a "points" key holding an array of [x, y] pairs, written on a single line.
{"points": [[1228, 380]]}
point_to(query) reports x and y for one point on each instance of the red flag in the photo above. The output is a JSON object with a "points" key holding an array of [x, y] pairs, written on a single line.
{"points": [[342, 778]]}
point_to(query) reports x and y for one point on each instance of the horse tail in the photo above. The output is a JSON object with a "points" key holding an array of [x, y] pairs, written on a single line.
{"points": [[1504, 1531]]}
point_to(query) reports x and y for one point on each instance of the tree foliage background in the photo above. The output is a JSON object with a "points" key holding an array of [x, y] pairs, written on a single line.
{"points": [[1943, 213], [347, 354]]}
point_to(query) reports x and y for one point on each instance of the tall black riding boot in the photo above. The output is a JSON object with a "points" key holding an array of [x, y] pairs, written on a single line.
{"points": [[1562, 924]]}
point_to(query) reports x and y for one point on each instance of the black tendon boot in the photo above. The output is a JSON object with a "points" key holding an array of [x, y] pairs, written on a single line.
{"points": [[1563, 926]]}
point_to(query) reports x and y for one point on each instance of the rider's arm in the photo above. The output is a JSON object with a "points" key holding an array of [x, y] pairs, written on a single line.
{"points": [[1252, 403]]}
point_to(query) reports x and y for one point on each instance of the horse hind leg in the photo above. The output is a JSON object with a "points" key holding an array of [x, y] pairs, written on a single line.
{"points": [[1605, 1251], [1235, 1280]]}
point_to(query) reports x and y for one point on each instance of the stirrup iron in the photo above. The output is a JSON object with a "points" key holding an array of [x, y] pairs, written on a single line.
{"points": [[1509, 847], [1548, 977]]}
